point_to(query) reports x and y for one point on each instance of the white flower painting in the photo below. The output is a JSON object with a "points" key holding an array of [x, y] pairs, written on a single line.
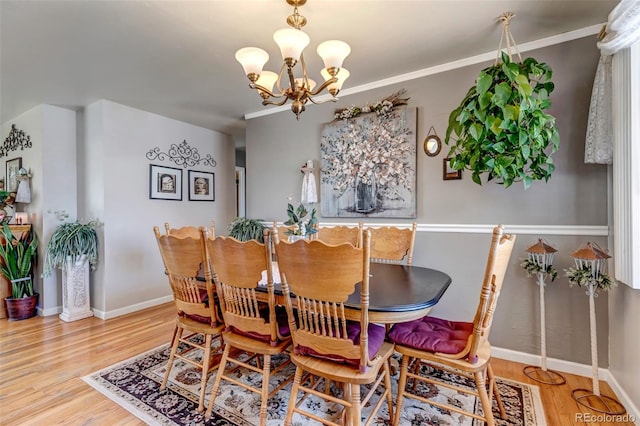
{"points": [[368, 166]]}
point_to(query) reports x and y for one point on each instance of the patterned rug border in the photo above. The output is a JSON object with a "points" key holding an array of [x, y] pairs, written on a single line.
{"points": [[119, 399], [150, 416]]}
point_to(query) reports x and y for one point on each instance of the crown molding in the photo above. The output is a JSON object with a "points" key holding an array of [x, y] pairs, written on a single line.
{"points": [[525, 47]]}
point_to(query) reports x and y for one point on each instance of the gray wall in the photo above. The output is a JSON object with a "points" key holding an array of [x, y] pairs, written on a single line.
{"points": [[576, 195]]}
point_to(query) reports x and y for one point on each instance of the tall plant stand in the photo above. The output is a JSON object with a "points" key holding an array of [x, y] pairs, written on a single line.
{"points": [[592, 399], [75, 290], [591, 262], [540, 263], [542, 374]]}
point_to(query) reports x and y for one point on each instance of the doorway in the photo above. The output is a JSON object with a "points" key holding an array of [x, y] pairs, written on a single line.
{"points": [[240, 192]]}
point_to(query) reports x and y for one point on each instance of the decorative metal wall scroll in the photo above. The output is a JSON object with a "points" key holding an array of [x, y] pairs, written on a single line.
{"points": [[183, 155], [17, 139]]}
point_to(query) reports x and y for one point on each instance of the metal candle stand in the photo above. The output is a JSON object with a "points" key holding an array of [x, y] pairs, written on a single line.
{"points": [[541, 255], [593, 259]]}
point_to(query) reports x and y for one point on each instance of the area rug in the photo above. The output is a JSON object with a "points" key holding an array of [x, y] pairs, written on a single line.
{"points": [[135, 385]]}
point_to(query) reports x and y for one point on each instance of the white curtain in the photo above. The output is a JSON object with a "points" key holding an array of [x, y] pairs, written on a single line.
{"points": [[622, 31]]}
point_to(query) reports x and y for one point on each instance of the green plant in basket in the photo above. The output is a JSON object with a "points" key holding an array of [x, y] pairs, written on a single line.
{"points": [[500, 128], [69, 242], [17, 256]]}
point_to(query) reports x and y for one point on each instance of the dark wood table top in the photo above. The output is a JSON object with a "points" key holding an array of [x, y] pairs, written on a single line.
{"points": [[397, 293]]}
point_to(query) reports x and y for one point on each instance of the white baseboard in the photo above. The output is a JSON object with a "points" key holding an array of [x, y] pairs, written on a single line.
{"points": [[131, 308], [570, 367], [559, 365], [632, 410], [49, 311]]}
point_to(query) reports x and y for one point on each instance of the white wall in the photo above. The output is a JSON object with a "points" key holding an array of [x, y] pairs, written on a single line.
{"points": [[52, 161], [116, 190], [624, 342], [574, 197]]}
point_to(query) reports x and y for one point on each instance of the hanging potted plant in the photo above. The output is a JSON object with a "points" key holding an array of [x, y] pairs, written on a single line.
{"points": [[17, 256], [501, 129], [73, 248]]}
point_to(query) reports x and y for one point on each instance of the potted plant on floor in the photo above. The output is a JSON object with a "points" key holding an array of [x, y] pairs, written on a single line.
{"points": [[73, 248], [16, 264]]}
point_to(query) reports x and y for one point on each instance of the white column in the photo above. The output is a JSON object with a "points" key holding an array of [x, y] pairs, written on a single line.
{"points": [[626, 165]]}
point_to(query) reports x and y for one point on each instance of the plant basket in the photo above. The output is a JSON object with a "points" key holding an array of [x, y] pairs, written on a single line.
{"points": [[22, 308]]}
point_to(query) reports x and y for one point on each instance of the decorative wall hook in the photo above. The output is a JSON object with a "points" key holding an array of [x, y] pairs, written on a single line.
{"points": [[183, 155], [17, 139]]}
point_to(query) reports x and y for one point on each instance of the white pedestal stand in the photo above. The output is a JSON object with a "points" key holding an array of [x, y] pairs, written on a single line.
{"points": [[593, 399], [75, 290], [541, 374]]}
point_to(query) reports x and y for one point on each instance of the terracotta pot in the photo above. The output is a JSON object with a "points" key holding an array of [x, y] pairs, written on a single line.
{"points": [[23, 308]]}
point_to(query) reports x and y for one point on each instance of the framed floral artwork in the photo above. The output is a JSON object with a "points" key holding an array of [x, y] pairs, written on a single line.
{"points": [[201, 186], [369, 165], [165, 183]]}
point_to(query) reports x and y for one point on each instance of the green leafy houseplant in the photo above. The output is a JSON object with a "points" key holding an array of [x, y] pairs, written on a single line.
{"points": [[583, 276], [300, 225], [532, 268], [244, 229], [71, 240], [500, 128], [17, 257]]}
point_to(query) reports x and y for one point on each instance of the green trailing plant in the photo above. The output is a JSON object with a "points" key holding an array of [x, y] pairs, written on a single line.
{"points": [[71, 240], [17, 256], [244, 229], [300, 225], [533, 268], [583, 276], [500, 128]]}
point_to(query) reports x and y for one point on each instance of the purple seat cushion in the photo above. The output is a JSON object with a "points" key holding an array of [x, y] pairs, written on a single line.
{"points": [[375, 341], [432, 334], [281, 319], [205, 299]]}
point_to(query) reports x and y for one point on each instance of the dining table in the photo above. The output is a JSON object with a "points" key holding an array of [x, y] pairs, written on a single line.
{"points": [[397, 293]]}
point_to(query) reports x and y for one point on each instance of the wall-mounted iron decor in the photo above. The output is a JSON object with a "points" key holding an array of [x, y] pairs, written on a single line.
{"points": [[183, 155], [17, 139]]}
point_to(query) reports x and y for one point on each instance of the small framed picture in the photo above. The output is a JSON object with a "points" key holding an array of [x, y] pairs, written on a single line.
{"points": [[165, 183], [447, 172], [201, 186], [13, 166]]}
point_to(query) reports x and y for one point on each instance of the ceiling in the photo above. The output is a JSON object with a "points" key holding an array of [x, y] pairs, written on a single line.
{"points": [[176, 58]]}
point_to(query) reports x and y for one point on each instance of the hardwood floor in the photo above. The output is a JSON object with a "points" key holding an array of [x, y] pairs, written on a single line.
{"points": [[43, 360]]}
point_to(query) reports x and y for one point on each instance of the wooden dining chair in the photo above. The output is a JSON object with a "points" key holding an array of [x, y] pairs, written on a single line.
{"points": [[317, 280], [252, 326], [184, 258], [190, 231], [391, 244], [459, 348], [340, 234]]}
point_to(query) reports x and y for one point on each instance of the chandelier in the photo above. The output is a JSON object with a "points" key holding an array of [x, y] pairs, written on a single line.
{"points": [[292, 42]]}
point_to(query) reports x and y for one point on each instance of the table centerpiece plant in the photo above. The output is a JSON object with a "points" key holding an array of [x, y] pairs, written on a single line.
{"points": [[17, 256], [301, 225]]}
